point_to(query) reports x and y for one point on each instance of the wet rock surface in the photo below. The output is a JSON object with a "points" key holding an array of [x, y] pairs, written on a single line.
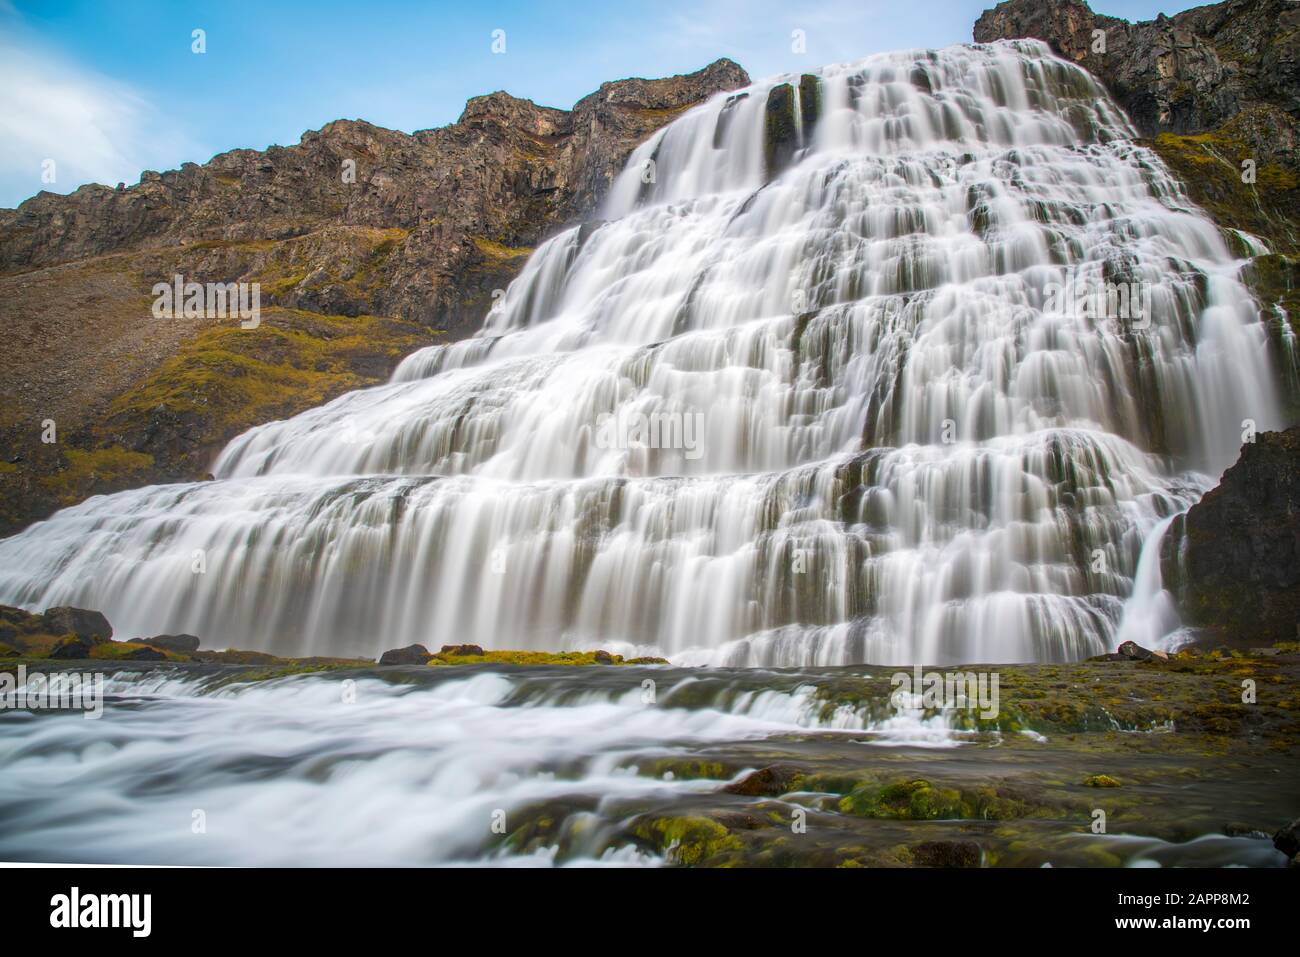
{"points": [[410, 655], [1167, 750], [181, 644], [1233, 560], [1287, 839]]}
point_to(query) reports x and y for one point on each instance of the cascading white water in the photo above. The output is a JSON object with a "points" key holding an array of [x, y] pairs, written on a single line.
{"points": [[887, 440], [405, 775]]}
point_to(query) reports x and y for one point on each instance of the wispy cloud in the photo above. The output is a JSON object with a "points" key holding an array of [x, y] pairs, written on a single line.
{"points": [[93, 128]]}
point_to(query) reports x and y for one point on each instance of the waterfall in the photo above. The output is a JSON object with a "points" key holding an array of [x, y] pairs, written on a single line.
{"points": [[847, 412]]}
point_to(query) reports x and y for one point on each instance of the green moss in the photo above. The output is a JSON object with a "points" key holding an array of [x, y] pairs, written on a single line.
{"points": [[106, 467], [780, 133], [810, 104], [1101, 781], [920, 800], [495, 250], [286, 669], [124, 650], [691, 841], [688, 769], [233, 378], [525, 658], [1210, 166], [662, 114]]}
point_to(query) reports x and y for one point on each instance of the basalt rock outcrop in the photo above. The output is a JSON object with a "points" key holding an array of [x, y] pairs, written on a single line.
{"points": [[1212, 88], [1233, 560], [366, 243], [464, 199], [1189, 73], [73, 628]]}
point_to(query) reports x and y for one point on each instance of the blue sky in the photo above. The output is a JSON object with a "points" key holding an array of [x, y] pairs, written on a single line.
{"points": [[109, 89]]}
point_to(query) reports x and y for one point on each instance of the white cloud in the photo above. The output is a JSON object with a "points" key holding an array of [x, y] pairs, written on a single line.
{"points": [[94, 128]]}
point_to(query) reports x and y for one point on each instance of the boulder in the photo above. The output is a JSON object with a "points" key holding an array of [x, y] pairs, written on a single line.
{"points": [[460, 650], [410, 655], [82, 622], [179, 644], [1233, 559], [603, 657], [1287, 840], [142, 653], [73, 648], [1135, 652], [771, 781], [1131, 651], [16, 626]]}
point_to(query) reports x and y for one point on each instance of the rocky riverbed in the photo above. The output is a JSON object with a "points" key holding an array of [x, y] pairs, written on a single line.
{"points": [[473, 758]]}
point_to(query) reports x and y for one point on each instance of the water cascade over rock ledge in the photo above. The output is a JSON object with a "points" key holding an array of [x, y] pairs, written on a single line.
{"points": [[911, 448]]}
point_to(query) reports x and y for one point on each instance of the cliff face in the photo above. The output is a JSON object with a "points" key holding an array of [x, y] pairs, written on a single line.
{"points": [[367, 243], [465, 196], [1188, 73], [1210, 88], [1234, 558]]}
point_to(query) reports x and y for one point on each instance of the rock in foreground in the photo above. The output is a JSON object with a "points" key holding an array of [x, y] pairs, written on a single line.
{"points": [[410, 655], [1233, 560]]}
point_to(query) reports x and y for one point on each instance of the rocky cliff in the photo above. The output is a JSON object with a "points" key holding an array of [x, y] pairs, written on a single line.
{"points": [[1216, 92], [469, 199], [367, 243], [1234, 558], [1212, 88], [1192, 72]]}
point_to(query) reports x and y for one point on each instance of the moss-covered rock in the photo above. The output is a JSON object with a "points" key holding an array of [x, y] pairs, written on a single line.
{"points": [[1101, 781], [456, 657], [810, 105], [130, 651], [691, 841], [780, 130], [921, 800], [1210, 166]]}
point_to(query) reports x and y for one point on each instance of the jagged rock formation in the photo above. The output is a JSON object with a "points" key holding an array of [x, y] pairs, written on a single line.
{"points": [[24, 632], [1234, 558], [1211, 87], [468, 198], [790, 116], [1188, 73], [367, 243]]}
